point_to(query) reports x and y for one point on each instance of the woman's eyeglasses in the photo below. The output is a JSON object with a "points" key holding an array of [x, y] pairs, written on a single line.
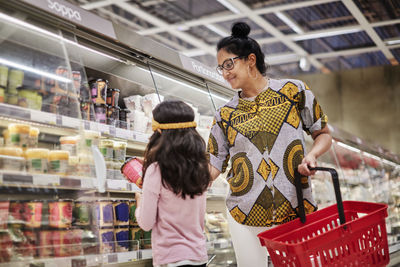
{"points": [[228, 64]]}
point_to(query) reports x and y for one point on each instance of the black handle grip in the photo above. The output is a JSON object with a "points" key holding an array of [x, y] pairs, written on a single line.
{"points": [[335, 180]]}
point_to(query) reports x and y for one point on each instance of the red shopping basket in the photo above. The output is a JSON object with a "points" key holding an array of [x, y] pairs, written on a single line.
{"points": [[350, 233]]}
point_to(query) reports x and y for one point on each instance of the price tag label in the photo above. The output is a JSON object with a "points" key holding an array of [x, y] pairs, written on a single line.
{"points": [[116, 185], [112, 258], [59, 120], [43, 117], [112, 130], [86, 125], [142, 137], [94, 126], [127, 256], [123, 133], [46, 180], [104, 128], [87, 182], [71, 122]]}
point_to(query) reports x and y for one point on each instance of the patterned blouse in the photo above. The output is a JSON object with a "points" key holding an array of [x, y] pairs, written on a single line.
{"points": [[265, 143]]}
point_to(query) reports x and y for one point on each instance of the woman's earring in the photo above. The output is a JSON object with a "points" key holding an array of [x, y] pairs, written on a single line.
{"points": [[248, 72]]}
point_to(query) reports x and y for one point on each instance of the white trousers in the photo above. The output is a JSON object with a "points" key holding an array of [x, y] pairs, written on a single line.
{"points": [[248, 250]]}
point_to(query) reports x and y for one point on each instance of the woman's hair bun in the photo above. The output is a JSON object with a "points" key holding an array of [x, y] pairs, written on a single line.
{"points": [[240, 30]]}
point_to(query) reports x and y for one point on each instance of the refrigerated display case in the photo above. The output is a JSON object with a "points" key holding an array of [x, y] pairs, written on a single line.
{"points": [[65, 88], [68, 83]]}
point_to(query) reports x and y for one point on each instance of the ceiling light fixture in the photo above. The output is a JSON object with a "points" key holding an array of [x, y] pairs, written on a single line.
{"points": [[304, 64], [392, 41], [290, 22], [308, 36], [217, 30], [194, 53], [229, 6]]}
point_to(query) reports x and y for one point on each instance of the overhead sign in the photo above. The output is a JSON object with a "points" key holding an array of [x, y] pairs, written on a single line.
{"points": [[76, 15], [204, 71]]}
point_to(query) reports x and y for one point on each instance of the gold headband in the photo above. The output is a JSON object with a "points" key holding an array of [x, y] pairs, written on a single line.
{"points": [[179, 125]]}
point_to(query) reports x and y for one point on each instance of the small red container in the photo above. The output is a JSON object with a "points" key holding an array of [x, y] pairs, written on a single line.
{"points": [[132, 170], [323, 241]]}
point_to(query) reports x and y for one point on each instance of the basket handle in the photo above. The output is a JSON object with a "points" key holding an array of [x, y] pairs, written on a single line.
{"points": [[299, 192]]}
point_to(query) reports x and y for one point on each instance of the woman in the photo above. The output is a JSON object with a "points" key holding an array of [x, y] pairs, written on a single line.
{"points": [[260, 130]]}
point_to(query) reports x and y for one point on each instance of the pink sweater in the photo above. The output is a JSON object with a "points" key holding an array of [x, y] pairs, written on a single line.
{"points": [[178, 224]]}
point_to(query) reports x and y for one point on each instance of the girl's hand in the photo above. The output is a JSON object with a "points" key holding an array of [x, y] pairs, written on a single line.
{"points": [[139, 183], [308, 161]]}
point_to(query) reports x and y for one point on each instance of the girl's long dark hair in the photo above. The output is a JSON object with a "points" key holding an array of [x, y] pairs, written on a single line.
{"points": [[180, 153]]}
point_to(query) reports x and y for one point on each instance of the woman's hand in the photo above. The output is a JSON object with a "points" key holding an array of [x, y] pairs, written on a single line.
{"points": [[308, 161]]}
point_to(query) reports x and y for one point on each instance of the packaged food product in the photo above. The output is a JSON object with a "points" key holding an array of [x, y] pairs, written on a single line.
{"points": [[19, 134], [58, 162], [120, 151], [90, 244], [33, 137], [86, 165], [30, 244], [132, 170], [73, 165], [46, 248], [113, 96], [3, 76], [16, 212], [4, 207], [6, 136], [106, 240], [121, 213], [133, 102], [132, 209], [103, 213], [121, 239], [90, 138], [76, 242], [110, 169], [87, 110], [146, 241], [70, 144], [29, 98], [33, 214], [62, 243], [123, 119], [2, 94], [81, 213], [60, 213], [113, 115], [135, 235], [100, 111], [37, 160], [107, 149], [15, 80], [99, 91], [11, 159]]}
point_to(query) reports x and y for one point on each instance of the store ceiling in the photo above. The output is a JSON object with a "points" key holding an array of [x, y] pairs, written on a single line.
{"points": [[297, 36]]}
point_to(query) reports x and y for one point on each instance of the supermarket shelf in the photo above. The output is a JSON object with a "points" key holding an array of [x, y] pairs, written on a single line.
{"points": [[86, 260], [62, 125], [26, 180]]}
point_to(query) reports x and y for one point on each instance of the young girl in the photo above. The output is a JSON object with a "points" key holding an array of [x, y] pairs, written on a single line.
{"points": [[176, 176]]}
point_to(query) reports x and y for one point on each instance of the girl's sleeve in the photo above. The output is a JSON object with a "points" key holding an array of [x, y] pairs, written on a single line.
{"points": [[218, 148], [311, 113], [146, 212]]}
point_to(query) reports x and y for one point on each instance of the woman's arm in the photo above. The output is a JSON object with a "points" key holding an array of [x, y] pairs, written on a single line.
{"points": [[322, 142], [214, 172]]}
